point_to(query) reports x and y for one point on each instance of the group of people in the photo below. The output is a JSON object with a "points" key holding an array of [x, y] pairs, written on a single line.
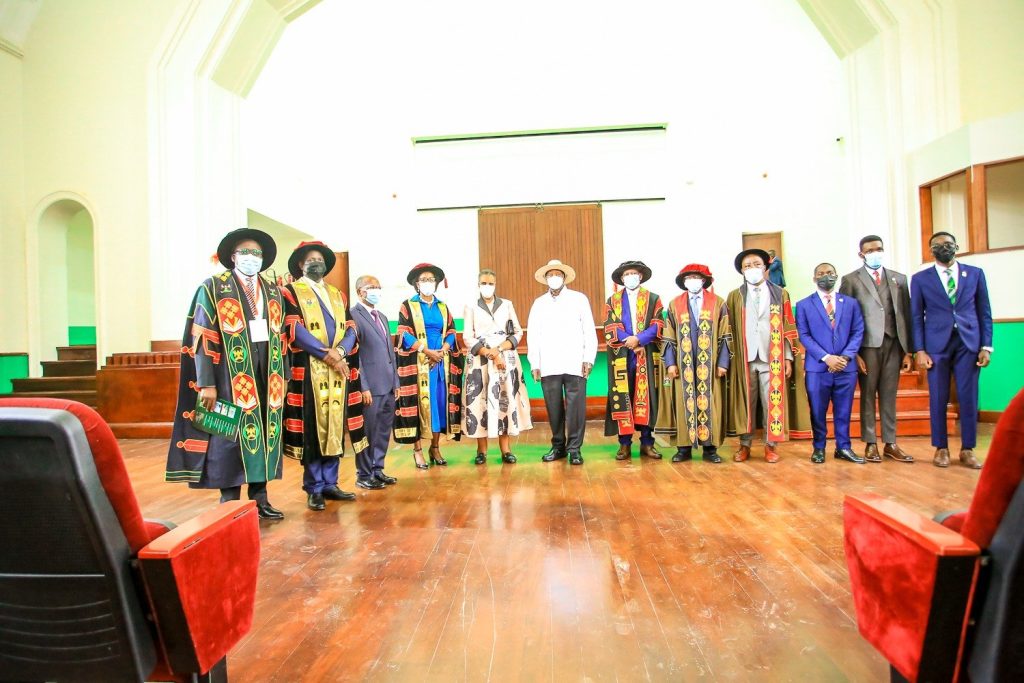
{"points": [[310, 371]]}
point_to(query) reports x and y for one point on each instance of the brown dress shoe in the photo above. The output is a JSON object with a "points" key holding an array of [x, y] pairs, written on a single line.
{"points": [[625, 452], [650, 452], [742, 453], [941, 458], [893, 451], [967, 459], [871, 453], [770, 454]]}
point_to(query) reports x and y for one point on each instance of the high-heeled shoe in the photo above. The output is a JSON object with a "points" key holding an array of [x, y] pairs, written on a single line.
{"points": [[419, 464], [437, 459], [481, 459]]}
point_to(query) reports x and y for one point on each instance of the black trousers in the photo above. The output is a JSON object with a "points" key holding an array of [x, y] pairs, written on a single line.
{"points": [[573, 410], [257, 489]]}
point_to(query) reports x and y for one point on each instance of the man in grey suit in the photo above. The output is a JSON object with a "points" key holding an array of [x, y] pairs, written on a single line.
{"points": [[379, 375], [884, 298]]}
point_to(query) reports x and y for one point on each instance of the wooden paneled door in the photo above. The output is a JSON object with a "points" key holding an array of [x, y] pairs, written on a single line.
{"points": [[339, 275], [515, 242], [764, 240]]}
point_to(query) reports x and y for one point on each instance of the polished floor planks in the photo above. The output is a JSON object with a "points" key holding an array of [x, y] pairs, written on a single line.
{"points": [[613, 571]]}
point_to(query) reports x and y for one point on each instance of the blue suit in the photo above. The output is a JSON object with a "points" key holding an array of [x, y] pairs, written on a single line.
{"points": [[647, 336], [821, 339], [952, 334], [378, 372]]}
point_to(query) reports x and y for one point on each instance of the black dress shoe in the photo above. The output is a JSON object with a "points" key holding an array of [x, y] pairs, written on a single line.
{"points": [[267, 511], [371, 484], [848, 455], [508, 458], [385, 479], [711, 456], [315, 501], [334, 493], [818, 456], [553, 454], [575, 458], [481, 459], [683, 455]]}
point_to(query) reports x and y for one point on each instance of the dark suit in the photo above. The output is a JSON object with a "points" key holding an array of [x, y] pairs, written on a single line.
{"points": [[952, 334], [821, 338], [886, 311], [379, 374]]}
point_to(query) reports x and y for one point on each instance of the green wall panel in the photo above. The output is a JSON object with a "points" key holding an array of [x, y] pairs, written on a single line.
{"points": [[1004, 377], [12, 367], [81, 335]]}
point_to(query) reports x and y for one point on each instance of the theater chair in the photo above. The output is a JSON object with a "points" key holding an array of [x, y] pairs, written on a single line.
{"points": [[89, 590], [943, 600]]}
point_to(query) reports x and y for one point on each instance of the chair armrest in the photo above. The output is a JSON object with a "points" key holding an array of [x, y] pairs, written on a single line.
{"points": [[200, 579], [952, 519], [912, 582]]}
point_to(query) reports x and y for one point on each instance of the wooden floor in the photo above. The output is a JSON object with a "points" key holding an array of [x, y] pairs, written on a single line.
{"points": [[631, 571]]}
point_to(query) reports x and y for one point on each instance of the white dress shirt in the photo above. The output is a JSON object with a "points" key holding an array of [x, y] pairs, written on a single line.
{"points": [[560, 334]]}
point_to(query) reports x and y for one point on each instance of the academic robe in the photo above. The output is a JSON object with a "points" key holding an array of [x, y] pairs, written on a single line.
{"points": [[789, 409], [216, 345], [625, 413], [322, 404]]}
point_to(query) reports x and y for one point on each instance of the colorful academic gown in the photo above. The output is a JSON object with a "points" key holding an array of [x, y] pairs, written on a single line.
{"points": [[633, 375]]}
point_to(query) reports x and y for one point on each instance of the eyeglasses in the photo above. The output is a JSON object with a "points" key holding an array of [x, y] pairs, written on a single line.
{"points": [[249, 252], [426, 279]]}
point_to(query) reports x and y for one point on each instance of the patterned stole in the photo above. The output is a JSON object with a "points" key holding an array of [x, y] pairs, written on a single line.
{"points": [[696, 365], [630, 411], [423, 367], [259, 451], [777, 419]]}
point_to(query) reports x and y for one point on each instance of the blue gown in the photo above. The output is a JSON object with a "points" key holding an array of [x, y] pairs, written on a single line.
{"points": [[433, 321]]}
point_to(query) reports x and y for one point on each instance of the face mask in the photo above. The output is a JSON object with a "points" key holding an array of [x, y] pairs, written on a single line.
{"points": [[693, 284], [826, 282], [248, 264], [373, 295], [428, 288], [944, 252], [487, 291], [753, 275], [555, 281], [315, 271], [873, 260], [631, 281]]}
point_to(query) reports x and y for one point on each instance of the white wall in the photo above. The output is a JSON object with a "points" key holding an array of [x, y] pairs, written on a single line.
{"points": [[14, 331]]}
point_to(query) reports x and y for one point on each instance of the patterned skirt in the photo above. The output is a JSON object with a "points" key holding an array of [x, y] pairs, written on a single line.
{"points": [[495, 401]]}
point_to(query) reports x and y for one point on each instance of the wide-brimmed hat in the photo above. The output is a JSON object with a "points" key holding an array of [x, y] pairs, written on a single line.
{"points": [[695, 269], [645, 272], [555, 264], [300, 253], [227, 246], [421, 268], [746, 252]]}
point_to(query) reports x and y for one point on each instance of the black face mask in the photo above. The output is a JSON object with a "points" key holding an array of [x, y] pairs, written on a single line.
{"points": [[827, 282], [315, 271], [945, 252]]}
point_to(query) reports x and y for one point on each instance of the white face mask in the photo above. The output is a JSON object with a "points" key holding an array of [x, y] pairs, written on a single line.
{"points": [[754, 276], [631, 281], [693, 284], [487, 291], [248, 264], [555, 281], [428, 288], [874, 260]]}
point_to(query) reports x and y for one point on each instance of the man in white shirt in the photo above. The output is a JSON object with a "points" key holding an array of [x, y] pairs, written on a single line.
{"points": [[562, 344]]}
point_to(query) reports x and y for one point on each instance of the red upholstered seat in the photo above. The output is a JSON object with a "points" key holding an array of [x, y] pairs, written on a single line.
{"points": [[198, 580], [920, 587]]}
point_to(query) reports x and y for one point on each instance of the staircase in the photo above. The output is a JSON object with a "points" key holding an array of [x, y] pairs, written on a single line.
{"points": [[71, 376], [912, 417]]}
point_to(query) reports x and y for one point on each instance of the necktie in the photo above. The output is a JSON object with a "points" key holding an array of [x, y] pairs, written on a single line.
{"points": [[950, 286], [831, 311], [757, 299], [694, 307], [250, 295], [878, 278], [376, 319]]}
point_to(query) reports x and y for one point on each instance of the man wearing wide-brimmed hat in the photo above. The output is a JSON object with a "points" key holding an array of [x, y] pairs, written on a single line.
{"points": [[232, 350], [697, 353], [562, 345], [632, 328], [324, 397], [762, 371]]}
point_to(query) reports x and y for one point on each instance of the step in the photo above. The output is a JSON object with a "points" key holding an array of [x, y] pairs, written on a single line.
{"points": [[142, 430], [54, 384], [85, 352], [69, 368], [906, 399], [144, 358], [89, 398], [172, 345]]}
